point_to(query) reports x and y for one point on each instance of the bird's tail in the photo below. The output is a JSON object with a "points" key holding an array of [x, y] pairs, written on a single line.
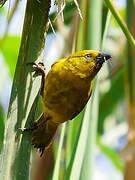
{"points": [[43, 133]]}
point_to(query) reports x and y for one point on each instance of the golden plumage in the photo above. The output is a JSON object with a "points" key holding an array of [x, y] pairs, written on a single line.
{"points": [[67, 88]]}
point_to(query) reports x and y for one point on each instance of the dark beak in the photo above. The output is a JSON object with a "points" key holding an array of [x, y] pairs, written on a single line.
{"points": [[101, 58]]}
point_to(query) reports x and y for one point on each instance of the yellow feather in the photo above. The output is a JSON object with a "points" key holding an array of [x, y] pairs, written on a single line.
{"points": [[68, 87]]}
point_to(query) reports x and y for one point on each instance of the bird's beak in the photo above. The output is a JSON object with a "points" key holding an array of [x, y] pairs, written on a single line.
{"points": [[101, 58]]}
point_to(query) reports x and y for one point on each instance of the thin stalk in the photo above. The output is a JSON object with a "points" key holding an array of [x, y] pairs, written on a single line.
{"points": [[80, 149], [69, 135], [70, 169], [92, 118], [59, 152], [110, 4]]}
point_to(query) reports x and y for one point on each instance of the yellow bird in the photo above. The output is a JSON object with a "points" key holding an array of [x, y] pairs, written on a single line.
{"points": [[65, 91]]}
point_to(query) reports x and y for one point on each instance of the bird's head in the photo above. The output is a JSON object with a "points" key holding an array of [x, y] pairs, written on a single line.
{"points": [[88, 61]]}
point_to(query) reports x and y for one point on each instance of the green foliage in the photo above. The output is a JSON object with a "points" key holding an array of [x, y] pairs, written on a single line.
{"points": [[58, 159], [10, 49], [121, 22], [74, 155], [110, 99], [130, 58], [78, 137], [25, 90]]}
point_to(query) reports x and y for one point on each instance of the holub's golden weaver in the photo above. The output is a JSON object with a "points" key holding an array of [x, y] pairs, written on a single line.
{"points": [[67, 88]]}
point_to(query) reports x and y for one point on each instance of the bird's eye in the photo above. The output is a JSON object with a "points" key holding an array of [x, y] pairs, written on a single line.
{"points": [[87, 56]]}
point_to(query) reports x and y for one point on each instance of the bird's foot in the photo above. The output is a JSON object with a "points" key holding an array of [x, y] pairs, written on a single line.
{"points": [[33, 127], [40, 67]]}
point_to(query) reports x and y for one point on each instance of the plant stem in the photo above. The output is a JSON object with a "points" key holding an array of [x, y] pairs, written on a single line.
{"points": [[120, 21], [15, 155]]}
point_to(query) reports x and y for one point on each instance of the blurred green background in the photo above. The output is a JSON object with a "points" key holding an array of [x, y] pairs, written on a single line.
{"points": [[99, 142]]}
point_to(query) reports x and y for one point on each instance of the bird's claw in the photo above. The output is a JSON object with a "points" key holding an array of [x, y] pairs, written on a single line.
{"points": [[40, 67]]}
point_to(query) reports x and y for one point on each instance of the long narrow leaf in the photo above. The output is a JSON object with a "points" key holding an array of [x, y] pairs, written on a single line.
{"points": [[16, 151], [120, 21], [92, 117], [57, 164], [79, 143], [2, 126]]}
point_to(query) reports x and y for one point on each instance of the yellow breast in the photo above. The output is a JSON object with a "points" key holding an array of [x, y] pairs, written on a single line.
{"points": [[65, 93]]}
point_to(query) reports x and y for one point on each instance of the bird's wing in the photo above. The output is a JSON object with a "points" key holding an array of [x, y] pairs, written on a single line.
{"points": [[59, 61]]}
